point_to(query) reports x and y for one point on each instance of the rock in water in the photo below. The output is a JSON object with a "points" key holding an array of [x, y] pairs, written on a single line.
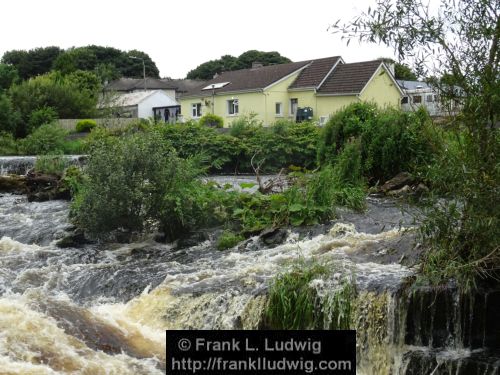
{"points": [[13, 184]]}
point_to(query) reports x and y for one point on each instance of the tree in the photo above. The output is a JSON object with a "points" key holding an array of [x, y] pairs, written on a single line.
{"points": [[33, 62], [107, 62], [462, 39], [246, 59], [9, 118], [65, 96], [8, 76], [208, 69], [401, 71]]}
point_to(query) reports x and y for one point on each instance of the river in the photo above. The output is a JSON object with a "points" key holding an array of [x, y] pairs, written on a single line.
{"points": [[103, 308]]}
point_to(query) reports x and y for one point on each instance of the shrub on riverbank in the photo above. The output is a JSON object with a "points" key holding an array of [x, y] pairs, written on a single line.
{"points": [[46, 139], [391, 141], [137, 182], [274, 148]]}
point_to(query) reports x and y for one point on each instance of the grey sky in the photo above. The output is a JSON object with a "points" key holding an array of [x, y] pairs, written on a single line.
{"points": [[179, 35]]}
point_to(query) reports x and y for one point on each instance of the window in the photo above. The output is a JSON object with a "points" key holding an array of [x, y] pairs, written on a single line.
{"points": [[429, 98], [404, 100], [294, 103], [417, 99], [233, 107], [196, 110], [279, 109]]}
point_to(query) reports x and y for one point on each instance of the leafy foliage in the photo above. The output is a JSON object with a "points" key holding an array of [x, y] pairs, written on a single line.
{"points": [[391, 141], [401, 71], [8, 144], [109, 62], [8, 76], [41, 116], [212, 120], [228, 239], [291, 302], [85, 125], [461, 232], [126, 191], [9, 117], [62, 94], [51, 164], [294, 303], [208, 69], [46, 139], [33, 62]]}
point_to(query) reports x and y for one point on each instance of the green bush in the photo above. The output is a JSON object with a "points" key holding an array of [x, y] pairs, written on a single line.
{"points": [[391, 141], [41, 116], [9, 117], [47, 139], [221, 151], [8, 144], [291, 144], [53, 90], [228, 239], [341, 127], [85, 125], [212, 121], [245, 125], [461, 230], [134, 182], [51, 164]]}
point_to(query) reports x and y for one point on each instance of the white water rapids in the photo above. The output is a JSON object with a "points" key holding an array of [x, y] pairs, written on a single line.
{"points": [[103, 309]]}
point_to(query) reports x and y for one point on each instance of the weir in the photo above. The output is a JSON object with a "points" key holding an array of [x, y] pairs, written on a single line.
{"points": [[103, 308], [20, 165]]}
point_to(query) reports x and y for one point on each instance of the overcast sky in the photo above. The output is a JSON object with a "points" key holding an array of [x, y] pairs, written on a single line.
{"points": [[180, 35]]}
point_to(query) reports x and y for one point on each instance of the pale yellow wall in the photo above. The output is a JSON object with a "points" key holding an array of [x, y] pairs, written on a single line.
{"points": [[261, 103], [306, 98], [328, 105], [279, 93], [382, 91]]}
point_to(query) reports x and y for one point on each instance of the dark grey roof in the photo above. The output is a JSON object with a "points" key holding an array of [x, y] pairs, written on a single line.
{"points": [[349, 78], [131, 84], [248, 79], [314, 74], [184, 85]]}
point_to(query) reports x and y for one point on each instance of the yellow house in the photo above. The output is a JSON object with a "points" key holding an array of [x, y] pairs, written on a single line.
{"points": [[280, 91]]}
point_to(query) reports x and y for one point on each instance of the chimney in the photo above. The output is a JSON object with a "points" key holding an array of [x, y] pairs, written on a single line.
{"points": [[215, 75], [257, 65]]}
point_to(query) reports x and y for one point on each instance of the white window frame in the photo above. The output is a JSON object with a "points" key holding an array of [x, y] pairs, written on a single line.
{"points": [[280, 112], [292, 112], [196, 110], [233, 107]]}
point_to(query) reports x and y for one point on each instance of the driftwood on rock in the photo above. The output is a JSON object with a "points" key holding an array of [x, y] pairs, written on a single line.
{"points": [[278, 183]]}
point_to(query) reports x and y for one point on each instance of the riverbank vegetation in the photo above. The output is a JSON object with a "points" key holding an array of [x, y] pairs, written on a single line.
{"points": [[461, 231]]}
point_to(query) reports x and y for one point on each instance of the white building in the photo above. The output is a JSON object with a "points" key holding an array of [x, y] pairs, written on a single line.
{"points": [[420, 94], [143, 104]]}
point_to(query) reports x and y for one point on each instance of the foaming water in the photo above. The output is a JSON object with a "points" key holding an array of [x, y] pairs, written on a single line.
{"points": [[103, 308]]}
